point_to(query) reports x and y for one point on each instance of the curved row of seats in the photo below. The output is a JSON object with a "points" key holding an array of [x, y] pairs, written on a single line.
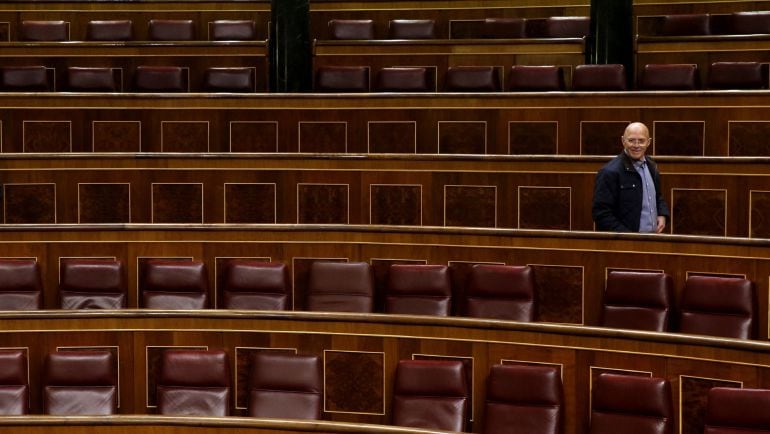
{"points": [[716, 306], [736, 23], [427, 394], [122, 30]]}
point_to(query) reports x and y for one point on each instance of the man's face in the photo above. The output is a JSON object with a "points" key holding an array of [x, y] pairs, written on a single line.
{"points": [[636, 140]]}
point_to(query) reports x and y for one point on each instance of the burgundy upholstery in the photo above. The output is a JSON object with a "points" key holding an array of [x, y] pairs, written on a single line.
{"points": [[631, 404], [677, 76], [110, 30], [91, 79], [472, 79], [285, 386], [171, 30], [233, 30], [746, 23], [80, 383], [559, 27], [719, 306], [738, 75], [342, 79], [599, 77], [20, 285], [248, 284], [686, 25], [24, 78], [403, 79], [174, 284], [430, 394], [638, 300], [340, 287], [92, 284], [14, 389], [351, 29], [524, 399], [418, 290], [160, 79], [535, 78], [231, 79], [505, 28], [44, 31], [412, 29], [194, 383], [737, 411], [501, 292]]}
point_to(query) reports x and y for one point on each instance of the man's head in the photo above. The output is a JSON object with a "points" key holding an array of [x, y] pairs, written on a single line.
{"points": [[636, 139]]}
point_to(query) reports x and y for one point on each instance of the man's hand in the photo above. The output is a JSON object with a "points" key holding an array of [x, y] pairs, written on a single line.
{"points": [[661, 224]]}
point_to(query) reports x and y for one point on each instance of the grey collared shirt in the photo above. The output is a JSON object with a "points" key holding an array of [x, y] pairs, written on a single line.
{"points": [[648, 221]]}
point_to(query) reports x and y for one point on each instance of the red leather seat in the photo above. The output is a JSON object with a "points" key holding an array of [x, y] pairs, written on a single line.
{"points": [[248, 284], [340, 287], [501, 292], [342, 79], [44, 31], [351, 29], [20, 285], [92, 284], [738, 75], [80, 383], [599, 77], [430, 394], [631, 404], [524, 399], [637, 300], [686, 25], [472, 79], [737, 411], [233, 30], [285, 386], [174, 284], [746, 23], [718, 306], [91, 79], [14, 389], [680, 76], [412, 29], [403, 79], [535, 78], [194, 383], [418, 290], [505, 28], [160, 79], [231, 79], [24, 79], [559, 27], [110, 30], [171, 30]]}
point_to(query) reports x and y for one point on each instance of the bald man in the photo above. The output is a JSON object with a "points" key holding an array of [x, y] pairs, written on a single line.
{"points": [[627, 195]]}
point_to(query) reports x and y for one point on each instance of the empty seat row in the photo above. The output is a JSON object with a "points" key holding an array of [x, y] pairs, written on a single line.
{"points": [[551, 27], [737, 23], [146, 79], [122, 30]]}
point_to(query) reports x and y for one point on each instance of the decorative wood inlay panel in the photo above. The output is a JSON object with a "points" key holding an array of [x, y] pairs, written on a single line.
{"points": [[47, 136], [693, 392], [253, 136], [116, 136], [5, 32], [760, 214], [354, 382], [29, 203], [601, 138], [679, 138], [153, 359], [323, 137], [698, 212], [462, 137], [380, 269], [104, 203], [243, 358], [559, 292], [250, 203], [177, 203], [392, 137], [395, 205], [301, 274], [745, 139], [184, 136], [545, 208], [533, 138], [322, 203], [470, 205]]}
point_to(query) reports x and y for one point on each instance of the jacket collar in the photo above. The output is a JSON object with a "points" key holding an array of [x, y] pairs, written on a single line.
{"points": [[628, 163]]}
